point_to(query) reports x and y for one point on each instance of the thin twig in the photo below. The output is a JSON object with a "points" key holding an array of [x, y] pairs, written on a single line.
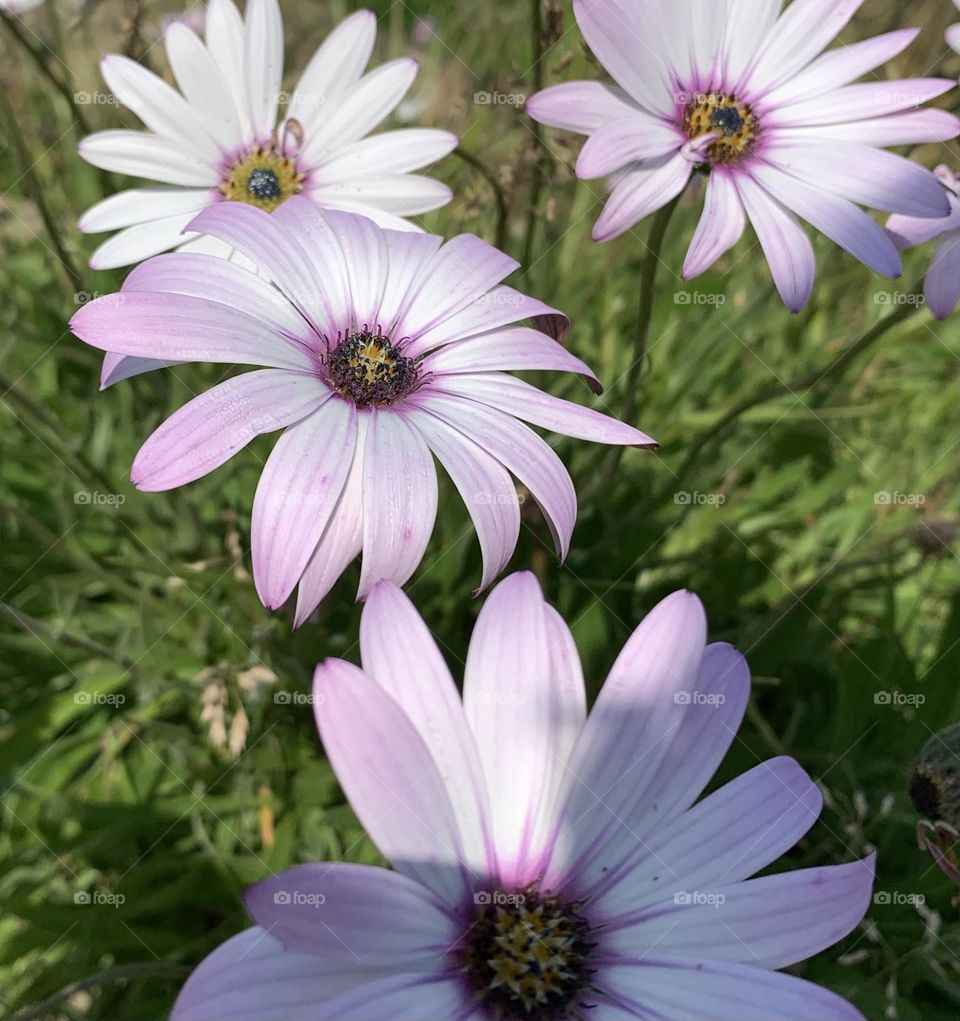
{"points": [[500, 238]]}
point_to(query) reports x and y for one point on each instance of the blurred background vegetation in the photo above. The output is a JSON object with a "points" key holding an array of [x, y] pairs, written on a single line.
{"points": [[156, 754]]}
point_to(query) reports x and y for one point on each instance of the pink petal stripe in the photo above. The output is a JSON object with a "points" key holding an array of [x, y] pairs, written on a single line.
{"points": [[399, 653], [856, 102], [520, 451], [399, 500], [485, 486], [211, 428], [363, 916], [342, 539], [914, 128], [390, 779], [409, 255], [517, 348], [177, 327], [296, 496], [524, 401]]}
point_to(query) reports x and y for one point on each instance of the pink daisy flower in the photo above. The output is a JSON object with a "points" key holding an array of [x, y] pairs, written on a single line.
{"points": [[942, 285], [745, 95], [381, 349], [549, 865], [219, 139]]}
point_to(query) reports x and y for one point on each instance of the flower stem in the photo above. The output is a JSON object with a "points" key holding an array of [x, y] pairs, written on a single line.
{"points": [[541, 156], [500, 237], [631, 396]]}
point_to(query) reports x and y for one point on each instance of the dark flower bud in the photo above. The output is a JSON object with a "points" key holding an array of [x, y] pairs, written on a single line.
{"points": [[935, 779]]}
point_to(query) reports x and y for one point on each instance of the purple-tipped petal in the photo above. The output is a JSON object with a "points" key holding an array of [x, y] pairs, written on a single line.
{"points": [[696, 987], [117, 367], [252, 977], [499, 307], [711, 716], [462, 270], [514, 349], [771, 922], [942, 287], [619, 34], [787, 248], [709, 847], [521, 452], [914, 128], [863, 174], [838, 218], [178, 327], [639, 193], [209, 430], [296, 496], [488, 492], [524, 401], [839, 67], [399, 653], [635, 138], [721, 224], [858, 102], [342, 539], [390, 778], [627, 733], [580, 106], [399, 500], [359, 915]]}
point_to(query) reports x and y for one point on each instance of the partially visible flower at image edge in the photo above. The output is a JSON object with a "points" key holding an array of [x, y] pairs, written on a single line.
{"points": [[380, 350], [953, 32], [218, 138], [941, 286], [746, 95], [548, 863]]}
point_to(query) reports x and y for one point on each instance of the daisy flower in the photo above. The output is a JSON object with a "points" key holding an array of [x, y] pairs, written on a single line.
{"points": [[380, 350], [219, 138], [549, 864], [746, 95], [942, 285]]}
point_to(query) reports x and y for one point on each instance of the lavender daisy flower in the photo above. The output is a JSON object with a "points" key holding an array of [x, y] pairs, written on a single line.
{"points": [[746, 95], [218, 138], [942, 284], [548, 864], [381, 349]]}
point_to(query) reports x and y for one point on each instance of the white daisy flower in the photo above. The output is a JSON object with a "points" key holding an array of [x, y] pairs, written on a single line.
{"points": [[231, 134]]}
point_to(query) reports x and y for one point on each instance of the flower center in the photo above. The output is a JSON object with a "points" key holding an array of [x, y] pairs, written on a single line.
{"points": [[733, 124], [263, 178], [368, 369], [527, 955]]}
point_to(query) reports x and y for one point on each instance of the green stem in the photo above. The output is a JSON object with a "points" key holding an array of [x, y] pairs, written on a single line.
{"points": [[36, 191], [120, 973], [801, 384], [540, 150], [631, 397], [500, 237]]}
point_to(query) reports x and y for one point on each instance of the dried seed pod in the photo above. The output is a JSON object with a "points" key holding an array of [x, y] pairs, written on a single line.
{"points": [[935, 779]]}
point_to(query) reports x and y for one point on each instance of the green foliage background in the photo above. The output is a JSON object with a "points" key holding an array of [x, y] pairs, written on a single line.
{"points": [[115, 618]]}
